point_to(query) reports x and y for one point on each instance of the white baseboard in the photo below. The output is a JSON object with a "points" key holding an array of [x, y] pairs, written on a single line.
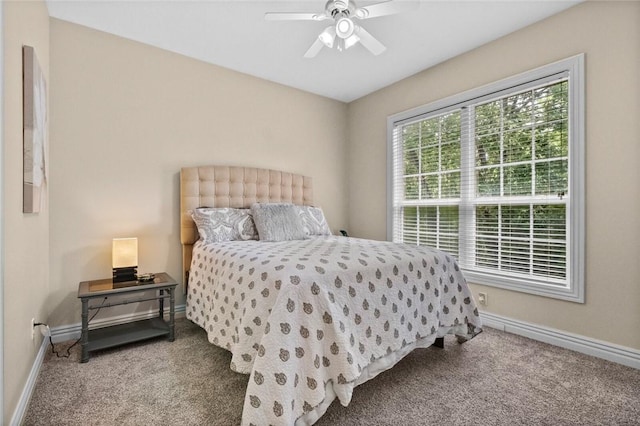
{"points": [[27, 391], [70, 332], [586, 345]]}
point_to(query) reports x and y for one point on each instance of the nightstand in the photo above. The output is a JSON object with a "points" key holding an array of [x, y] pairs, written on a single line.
{"points": [[106, 337]]}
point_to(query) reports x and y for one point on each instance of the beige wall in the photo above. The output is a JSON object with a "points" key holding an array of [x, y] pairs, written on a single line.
{"points": [[609, 35], [26, 236], [126, 117]]}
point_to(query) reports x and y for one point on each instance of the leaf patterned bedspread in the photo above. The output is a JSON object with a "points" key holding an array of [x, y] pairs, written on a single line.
{"points": [[314, 318]]}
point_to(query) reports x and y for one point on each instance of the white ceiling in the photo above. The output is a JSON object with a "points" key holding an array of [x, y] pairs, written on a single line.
{"points": [[234, 34]]}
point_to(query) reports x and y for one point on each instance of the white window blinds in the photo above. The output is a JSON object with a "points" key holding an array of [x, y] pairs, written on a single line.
{"points": [[487, 176]]}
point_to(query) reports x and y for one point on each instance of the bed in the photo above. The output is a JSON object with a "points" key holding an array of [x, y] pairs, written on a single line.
{"points": [[311, 318]]}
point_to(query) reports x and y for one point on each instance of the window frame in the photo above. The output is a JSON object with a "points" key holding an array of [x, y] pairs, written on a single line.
{"points": [[573, 69]]}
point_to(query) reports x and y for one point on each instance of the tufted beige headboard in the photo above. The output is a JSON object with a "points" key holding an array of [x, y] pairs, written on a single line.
{"points": [[239, 187]]}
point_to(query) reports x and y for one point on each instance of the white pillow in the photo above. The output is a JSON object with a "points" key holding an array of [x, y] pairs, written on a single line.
{"points": [[313, 221], [277, 221], [224, 224]]}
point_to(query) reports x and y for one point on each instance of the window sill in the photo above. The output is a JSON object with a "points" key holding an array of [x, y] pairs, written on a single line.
{"points": [[571, 294]]}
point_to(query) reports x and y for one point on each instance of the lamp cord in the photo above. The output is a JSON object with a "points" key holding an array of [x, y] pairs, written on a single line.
{"points": [[53, 349]]}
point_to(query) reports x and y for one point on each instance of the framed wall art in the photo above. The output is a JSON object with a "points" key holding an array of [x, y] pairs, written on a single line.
{"points": [[35, 131]]}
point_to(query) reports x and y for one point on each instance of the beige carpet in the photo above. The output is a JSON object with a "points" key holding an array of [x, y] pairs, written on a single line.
{"points": [[495, 379]]}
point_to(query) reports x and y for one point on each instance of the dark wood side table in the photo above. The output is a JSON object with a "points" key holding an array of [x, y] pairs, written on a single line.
{"points": [[106, 337]]}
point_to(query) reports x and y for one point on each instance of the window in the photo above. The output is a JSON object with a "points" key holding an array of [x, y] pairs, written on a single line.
{"points": [[495, 177]]}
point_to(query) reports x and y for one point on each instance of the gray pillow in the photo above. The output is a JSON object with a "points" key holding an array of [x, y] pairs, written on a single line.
{"points": [[224, 224], [313, 221], [277, 222]]}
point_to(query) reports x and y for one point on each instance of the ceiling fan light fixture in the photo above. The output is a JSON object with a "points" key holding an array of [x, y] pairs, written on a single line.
{"points": [[343, 32], [345, 28], [327, 39], [328, 36], [351, 40]]}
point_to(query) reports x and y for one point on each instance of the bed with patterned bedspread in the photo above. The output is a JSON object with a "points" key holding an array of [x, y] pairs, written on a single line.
{"points": [[311, 319]]}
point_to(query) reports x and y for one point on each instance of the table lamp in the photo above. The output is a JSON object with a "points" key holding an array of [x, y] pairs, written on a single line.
{"points": [[124, 255]]}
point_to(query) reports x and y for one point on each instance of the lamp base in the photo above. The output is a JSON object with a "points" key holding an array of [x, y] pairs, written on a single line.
{"points": [[121, 275]]}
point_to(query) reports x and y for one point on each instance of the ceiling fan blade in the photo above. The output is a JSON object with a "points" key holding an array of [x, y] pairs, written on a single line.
{"points": [[295, 16], [314, 49], [369, 41], [385, 8]]}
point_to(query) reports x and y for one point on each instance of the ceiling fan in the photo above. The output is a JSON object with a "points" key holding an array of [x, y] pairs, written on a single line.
{"points": [[344, 32]]}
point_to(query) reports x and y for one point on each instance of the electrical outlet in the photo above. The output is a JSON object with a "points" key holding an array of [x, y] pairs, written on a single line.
{"points": [[483, 299], [33, 328]]}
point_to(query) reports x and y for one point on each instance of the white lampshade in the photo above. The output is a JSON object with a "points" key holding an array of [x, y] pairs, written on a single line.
{"points": [[351, 40], [125, 252], [328, 36], [345, 27]]}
